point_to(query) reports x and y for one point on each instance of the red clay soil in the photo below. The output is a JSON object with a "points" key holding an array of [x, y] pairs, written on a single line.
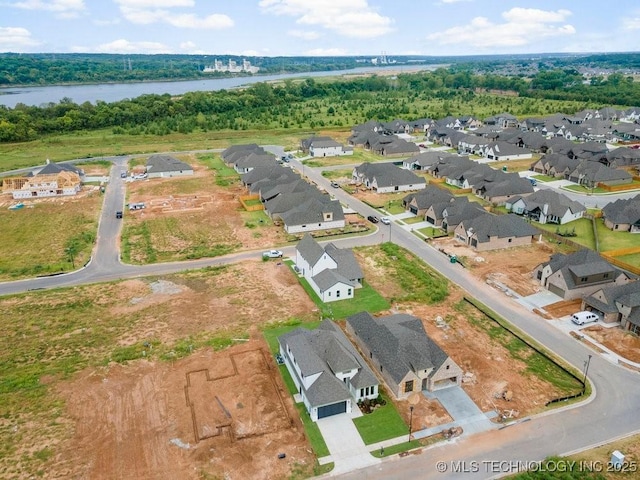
{"points": [[220, 415]]}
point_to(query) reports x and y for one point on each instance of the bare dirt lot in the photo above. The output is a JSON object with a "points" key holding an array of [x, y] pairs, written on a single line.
{"points": [[224, 414], [614, 338]]}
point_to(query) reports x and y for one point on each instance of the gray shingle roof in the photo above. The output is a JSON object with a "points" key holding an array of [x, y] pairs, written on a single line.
{"points": [[623, 210], [329, 277], [310, 250], [488, 225], [312, 210], [557, 202], [166, 163], [388, 175], [399, 342], [327, 350]]}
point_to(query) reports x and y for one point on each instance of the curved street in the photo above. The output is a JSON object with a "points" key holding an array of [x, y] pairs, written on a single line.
{"points": [[610, 413]]}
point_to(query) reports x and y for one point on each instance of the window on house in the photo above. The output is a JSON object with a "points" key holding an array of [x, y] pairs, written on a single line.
{"points": [[338, 293], [606, 275], [584, 279], [348, 291], [408, 386], [362, 394], [381, 368], [510, 240], [448, 366]]}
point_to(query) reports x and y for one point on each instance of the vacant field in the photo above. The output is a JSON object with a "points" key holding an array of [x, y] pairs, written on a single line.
{"points": [[193, 217], [511, 267], [103, 358], [48, 235]]}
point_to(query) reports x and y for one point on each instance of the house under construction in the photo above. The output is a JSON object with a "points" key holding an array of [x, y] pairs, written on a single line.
{"points": [[54, 179]]}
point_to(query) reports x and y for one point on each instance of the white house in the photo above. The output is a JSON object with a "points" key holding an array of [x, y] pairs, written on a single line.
{"points": [[332, 272], [327, 370], [547, 206]]}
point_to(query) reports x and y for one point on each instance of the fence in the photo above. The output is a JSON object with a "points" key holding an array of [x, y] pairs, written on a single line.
{"points": [[621, 188], [610, 256], [247, 202]]}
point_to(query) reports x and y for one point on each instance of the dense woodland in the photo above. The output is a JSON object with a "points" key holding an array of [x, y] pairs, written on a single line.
{"points": [[312, 104]]}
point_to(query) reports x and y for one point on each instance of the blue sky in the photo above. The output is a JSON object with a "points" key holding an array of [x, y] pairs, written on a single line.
{"points": [[319, 27]]}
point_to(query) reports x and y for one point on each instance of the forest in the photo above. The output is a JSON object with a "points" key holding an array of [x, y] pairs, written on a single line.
{"points": [[310, 103]]}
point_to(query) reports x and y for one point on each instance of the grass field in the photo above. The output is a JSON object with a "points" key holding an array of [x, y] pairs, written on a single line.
{"points": [[359, 156], [51, 237]]}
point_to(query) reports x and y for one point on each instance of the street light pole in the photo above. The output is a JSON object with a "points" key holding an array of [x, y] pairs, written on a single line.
{"points": [[410, 420], [586, 370]]}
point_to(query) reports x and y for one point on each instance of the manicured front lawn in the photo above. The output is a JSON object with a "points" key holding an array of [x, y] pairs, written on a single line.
{"points": [[582, 228], [382, 424], [412, 220]]}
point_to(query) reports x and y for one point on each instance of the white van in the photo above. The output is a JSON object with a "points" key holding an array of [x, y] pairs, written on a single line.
{"points": [[581, 318]]}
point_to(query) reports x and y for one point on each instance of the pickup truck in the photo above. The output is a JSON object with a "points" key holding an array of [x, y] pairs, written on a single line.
{"points": [[272, 254]]}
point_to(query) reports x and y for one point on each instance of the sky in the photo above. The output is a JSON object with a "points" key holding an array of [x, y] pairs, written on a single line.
{"points": [[319, 27]]}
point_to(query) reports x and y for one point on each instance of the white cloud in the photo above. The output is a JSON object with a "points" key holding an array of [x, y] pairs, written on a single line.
{"points": [[350, 18], [632, 23], [146, 12], [523, 26], [61, 8], [326, 52], [304, 34], [125, 46], [142, 4], [16, 39]]}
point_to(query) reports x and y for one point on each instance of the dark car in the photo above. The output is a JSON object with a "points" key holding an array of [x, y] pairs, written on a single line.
{"points": [[373, 219], [118, 214]]}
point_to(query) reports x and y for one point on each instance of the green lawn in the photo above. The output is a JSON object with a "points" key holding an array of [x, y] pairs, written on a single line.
{"points": [[611, 240], [432, 232], [633, 259], [365, 299], [582, 227], [544, 178], [48, 237], [412, 220], [382, 424], [333, 174]]}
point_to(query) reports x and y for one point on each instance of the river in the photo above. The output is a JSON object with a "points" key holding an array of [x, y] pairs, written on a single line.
{"points": [[113, 92]]}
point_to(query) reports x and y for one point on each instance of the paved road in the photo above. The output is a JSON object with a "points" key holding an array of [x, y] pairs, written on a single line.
{"points": [[607, 415]]}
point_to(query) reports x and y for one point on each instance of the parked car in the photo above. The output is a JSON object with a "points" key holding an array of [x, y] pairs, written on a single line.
{"points": [[118, 214], [581, 318], [385, 220], [372, 219], [123, 174], [335, 184], [272, 254]]}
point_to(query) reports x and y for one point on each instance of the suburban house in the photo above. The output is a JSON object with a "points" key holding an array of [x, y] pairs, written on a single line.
{"points": [[617, 303], [590, 174], [454, 213], [398, 348], [324, 147], [578, 274], [623, 215], [53, 180], [491, 232], [502, 187], [387, 178], [501, 151], [315, 213], [547, 206], [244, 158], [327, 370], [502, 120], [419, 202], [162, 165], [424, 160], [286, 197], [332, 272]]}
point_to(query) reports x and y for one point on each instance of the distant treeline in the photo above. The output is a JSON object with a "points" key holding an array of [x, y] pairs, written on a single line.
{"points": [[310, 103]]}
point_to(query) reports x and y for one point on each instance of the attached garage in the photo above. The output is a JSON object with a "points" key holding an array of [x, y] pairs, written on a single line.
{"points": [[333, 409], [413, 210], [431, 220]]}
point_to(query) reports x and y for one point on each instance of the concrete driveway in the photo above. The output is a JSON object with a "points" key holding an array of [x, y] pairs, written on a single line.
{"points": [[348, 451], [463, 410]]}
